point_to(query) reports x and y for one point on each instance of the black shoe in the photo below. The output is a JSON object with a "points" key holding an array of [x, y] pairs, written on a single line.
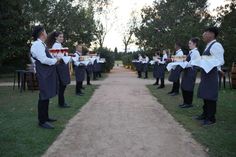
{"points": [[170, 92], [160, 87], [180, 105], [51, 120], [80, 94], [64, 106], [207, 123], [155, 84], [89, 84], [186, 106], [201, 117], [174, 94], [46, 125]]}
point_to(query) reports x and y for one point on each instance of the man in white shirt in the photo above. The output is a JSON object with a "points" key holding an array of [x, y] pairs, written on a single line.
{"points": [[208, 87], [175, 73], [46, 75]]}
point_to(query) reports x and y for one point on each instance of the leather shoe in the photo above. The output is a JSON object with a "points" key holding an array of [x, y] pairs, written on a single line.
{"points": [[207, 123], [46, 125], [51, 120], [160, 87], [80, 94], [174, 94], [186, 106], [200, 117]]}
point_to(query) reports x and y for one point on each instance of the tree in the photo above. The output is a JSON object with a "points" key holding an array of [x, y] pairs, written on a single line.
{"points": [[129, 32], [227, 17], [170, 20]]}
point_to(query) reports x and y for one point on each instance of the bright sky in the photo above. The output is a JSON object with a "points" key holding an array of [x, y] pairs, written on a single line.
{"points": [[123, 11]]}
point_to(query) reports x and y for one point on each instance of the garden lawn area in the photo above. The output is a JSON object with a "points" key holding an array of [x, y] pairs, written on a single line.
{"points": [[20, 134], [220, 138]]}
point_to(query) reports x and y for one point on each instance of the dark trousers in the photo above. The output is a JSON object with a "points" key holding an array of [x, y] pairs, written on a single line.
{"points": [[175, 87], [100, 74], [162, 82], [209, 110], [95, 75], [139, 74], [146, 74], [78, 88], [88, 77], [157, 81], [187, 97], [61, 98], [43, 110]]}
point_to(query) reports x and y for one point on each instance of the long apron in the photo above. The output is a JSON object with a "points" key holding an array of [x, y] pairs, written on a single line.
{"points": [[189, 77], [63, 72], [47, 78], [139, 66], [89, 69], [208, 87], [144, 67], [80, 73], [96, 66], [175, 74]]}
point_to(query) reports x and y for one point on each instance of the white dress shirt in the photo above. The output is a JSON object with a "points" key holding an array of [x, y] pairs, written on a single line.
{"points": [[38, 51], [57, 45], [146, 59], [194, 54], [179, 53], [217, 51], [163, 59]]}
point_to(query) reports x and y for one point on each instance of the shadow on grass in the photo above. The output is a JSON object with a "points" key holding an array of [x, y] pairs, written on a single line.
{"points": [[19, 132], [220, 138]]}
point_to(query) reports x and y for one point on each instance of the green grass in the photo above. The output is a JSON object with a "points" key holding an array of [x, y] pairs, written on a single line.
{"points": [[220, 138], [19, 133], [7, 77]]}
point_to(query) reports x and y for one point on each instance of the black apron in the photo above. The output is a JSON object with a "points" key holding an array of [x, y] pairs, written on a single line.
{"points": [[96, 66], [80, 72], [63, 73], [175, 74], [139, 66], [144, 67], [159, 70], [47, 78], [208, 87], [189, 76], [89, 69]]}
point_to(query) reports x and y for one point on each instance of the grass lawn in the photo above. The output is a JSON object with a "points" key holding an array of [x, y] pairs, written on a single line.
{"points": [[219, 138], [7, 77], [19, 133]]}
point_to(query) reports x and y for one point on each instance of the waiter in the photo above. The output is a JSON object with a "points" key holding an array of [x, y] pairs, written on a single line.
{"points": [[145, 65], [160, 69], [96, 67], [80, 70], [139, 65], [208, 87], [189, 74], [175, 73], [54, 41], [89, 70], [46, 75]]}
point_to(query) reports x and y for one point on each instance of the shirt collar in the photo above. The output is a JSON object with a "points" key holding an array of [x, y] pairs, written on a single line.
{"points": [[211, 42], [41, 42]]}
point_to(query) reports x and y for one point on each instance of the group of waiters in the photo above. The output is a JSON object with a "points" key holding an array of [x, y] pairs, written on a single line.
{"points": [[183, 73], [141, 65], [53, 72]]}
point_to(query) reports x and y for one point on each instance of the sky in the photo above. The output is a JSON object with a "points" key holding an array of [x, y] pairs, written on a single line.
{"points": [[123, 13]]}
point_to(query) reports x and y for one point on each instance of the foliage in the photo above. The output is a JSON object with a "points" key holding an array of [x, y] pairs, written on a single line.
{"points": [[109, 56]]}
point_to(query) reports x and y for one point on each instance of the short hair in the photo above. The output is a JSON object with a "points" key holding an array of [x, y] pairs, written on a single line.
{"points": [[178, 43], [214, 30], [37, 30], [195, 40]]}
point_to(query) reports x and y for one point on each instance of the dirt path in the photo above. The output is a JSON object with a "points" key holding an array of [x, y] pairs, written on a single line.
{"points": [[122, 119]]}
